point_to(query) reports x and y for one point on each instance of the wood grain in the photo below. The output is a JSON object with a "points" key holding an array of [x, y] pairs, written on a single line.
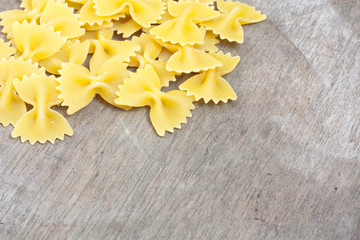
{"points": [[281, 162]]}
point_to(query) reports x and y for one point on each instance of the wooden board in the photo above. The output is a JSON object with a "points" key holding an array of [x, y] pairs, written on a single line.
{"points": [[281, 162]]}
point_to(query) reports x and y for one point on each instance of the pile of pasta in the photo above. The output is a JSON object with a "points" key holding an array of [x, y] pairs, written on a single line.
{"points": [[65, 52]]}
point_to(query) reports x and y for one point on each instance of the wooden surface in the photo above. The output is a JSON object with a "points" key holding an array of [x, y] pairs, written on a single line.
{"points": [[281, 162]]}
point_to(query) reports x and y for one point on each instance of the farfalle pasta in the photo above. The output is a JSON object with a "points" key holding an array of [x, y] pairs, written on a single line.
{"points": [[167, 110], [41, 123], [36, 42], [65, 53], [88, 16], [234, 14], [144, 12], [183, 29], [58, 15], [12, 106], [78, 86], [210, 85], [187, 59], [53, 13]]}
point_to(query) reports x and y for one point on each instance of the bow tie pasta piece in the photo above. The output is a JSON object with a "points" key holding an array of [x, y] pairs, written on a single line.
{"points": [[62, 18], [88, 15], [78, 86], [106, 48], [234, 14], [37, 42], [12, 107], [188, 59], [210, 85], [144, 12], [41, 123], [74, 52], [183, 28], [247, 14], [6, 50], [149, 52], [167, 110]]}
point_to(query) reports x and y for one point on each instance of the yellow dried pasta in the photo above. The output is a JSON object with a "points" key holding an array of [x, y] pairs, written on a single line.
{"points": [[12, 106], [41, 123], [187, 59], [37, 42], [144, 12], [88, 15], [58, 15], [210, 85], [167, 110], [78, 86], [183, 29], [171, 38], [234, 14]]}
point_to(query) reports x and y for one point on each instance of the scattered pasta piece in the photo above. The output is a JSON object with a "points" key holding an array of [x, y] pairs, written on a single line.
{"points": [[234, 14], [183, 29], [41, 123], [144, 12], [12, 107], [58, 15], [78, 86], [188, 59], [167, 110], [210, 85], [37, 42], [88, 15], [156, 41]]}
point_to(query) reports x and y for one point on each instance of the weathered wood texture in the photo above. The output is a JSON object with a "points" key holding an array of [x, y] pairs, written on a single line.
{"points": [[281, 162]]}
